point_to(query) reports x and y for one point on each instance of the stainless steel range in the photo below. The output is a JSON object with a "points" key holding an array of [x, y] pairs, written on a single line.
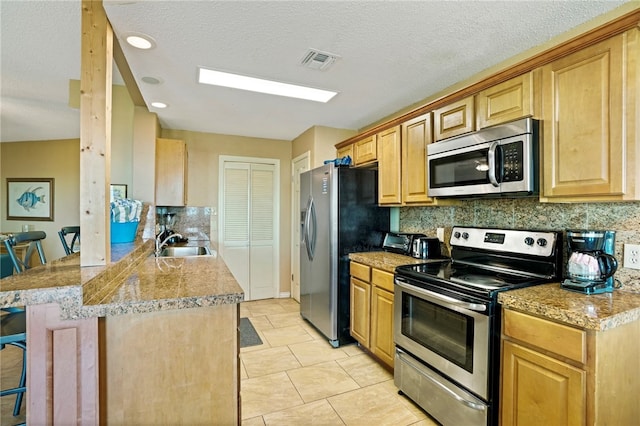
{"points": [[447, 322]]}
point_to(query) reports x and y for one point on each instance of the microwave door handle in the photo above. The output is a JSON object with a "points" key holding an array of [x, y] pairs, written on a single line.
{"points": [[491, 159], [478, 307]]}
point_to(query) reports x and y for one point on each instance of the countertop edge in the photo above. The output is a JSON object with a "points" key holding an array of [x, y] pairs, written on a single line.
{"points": [[84, 289]]}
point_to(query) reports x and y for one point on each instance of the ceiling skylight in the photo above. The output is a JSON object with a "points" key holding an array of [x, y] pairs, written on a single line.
{"points": [[236, 81]]}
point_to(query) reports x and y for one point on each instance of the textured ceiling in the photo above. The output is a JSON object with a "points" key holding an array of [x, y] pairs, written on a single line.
{"points": [[393, 54]]}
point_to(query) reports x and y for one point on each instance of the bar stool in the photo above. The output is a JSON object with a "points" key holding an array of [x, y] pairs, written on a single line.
{"points": [[34, 238], [13, 331], [74, 232], [13, 325]]}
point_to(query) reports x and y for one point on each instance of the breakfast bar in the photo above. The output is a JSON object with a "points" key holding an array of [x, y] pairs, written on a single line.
{"points": [[142, 340]]}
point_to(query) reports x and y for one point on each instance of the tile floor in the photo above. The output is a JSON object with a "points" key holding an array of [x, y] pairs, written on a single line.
{"points": [[296, 378]]}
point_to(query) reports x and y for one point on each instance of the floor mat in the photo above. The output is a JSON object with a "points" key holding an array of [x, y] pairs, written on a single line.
{"points": [[248, 334]]}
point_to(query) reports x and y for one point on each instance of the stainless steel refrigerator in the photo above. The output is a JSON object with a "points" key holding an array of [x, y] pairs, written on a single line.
{"points": [[339, 215]]}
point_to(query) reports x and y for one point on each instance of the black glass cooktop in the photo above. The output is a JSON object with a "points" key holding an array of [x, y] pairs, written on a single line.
{"points": [[463, 277]]}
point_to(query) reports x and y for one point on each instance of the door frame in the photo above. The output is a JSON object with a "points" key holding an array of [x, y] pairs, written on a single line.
{"points": [[276, 208], [295, 214]]}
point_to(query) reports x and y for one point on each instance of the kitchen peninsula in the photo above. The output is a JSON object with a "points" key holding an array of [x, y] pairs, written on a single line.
{"points": [[143, 340]]}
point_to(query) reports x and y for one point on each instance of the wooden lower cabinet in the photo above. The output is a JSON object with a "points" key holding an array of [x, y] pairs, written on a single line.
{"points": [[360, 310], [372, 311], [382, 344], [554, 374], [540, 390]]}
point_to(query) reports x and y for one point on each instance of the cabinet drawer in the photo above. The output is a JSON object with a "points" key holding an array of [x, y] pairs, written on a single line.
{"points": [[382, 279], [360, 271], [557, 338]]}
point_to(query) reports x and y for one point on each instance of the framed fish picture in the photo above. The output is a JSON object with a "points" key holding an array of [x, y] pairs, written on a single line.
{"points": [[30, 199]]}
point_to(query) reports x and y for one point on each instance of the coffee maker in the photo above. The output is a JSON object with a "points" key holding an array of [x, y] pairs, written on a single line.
{"points": [[590, 261]]}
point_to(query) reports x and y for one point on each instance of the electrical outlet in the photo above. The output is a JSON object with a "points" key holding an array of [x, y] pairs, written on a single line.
{"points": [[440, 234], [632, 256]]}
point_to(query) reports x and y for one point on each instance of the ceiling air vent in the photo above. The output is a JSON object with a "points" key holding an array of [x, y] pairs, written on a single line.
{"points": [[317, 60]]}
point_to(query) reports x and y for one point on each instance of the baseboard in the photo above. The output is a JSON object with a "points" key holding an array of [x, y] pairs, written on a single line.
{"points": [[285, 295]]}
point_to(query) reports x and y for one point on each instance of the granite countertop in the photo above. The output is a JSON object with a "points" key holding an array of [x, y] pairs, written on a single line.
{"points": [[386, 261], [135, 282], [591, 312]]}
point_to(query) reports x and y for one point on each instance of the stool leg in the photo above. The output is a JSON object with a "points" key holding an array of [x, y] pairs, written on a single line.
{"points": [[23, 377]]}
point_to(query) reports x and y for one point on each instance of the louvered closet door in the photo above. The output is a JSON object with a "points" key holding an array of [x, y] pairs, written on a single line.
{"points": [[262, 250], [249, 227]]}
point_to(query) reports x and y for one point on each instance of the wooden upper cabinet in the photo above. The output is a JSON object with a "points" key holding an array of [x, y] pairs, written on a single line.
{"points": [[505, 102], [454, 119], [389, 167], [589, 133], [171, 172], [416, 135], [344, 151], [365, 151]]}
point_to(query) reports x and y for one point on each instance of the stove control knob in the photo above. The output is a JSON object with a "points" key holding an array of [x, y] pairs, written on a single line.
{"points": [[456, 234], [542, 242], [465, 235], [529, 241]]}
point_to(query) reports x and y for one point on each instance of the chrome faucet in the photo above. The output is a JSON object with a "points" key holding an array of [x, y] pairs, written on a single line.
{"points": [[159, 244]]}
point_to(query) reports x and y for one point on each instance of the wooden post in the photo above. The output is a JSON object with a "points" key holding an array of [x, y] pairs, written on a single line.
{"points": [[95, 134]]}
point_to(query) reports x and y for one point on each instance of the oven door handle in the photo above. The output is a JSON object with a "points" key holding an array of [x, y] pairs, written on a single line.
{"points": [[477, 307], [403, 355]]}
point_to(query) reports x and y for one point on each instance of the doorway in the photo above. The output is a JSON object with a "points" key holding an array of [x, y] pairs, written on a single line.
{"points": [[248, 228], [299, 165]]}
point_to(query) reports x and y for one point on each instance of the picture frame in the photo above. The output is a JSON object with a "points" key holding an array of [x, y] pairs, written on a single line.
{"points": [[30, 199], [118, 191]]}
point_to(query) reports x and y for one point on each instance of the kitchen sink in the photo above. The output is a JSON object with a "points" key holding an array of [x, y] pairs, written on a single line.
{"points": [[185, 251]]}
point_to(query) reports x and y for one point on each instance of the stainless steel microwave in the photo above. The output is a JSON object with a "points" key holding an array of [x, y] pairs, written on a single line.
{"points": [[497, 161]]}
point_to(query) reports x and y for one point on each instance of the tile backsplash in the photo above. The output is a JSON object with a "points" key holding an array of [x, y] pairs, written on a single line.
{"points": [[529, 213], [193, 223]]}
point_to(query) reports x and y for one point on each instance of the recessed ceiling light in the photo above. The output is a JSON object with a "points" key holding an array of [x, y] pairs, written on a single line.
{"points": [[140, 41], [158, 104], [150, 80], [236, 81]]}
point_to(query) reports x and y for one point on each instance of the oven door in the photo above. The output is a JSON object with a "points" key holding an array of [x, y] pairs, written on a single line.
{"points": [[450, 335]]}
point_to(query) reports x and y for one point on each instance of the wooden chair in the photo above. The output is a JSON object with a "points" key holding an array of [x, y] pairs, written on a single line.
{"points": [[74, 232]]}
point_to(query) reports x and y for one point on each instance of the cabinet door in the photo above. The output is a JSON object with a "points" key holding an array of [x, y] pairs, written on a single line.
{"points": [[171, 172], [365, 151], [416, 135], [506, 101], [540, 390], [389, 179], [344, 151], [584, 130], [360, 311], [454, 119], [382, 344]]}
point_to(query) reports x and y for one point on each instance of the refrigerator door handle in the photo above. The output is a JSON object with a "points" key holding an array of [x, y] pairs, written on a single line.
{"points": [[305, 231], [312, 232]]}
